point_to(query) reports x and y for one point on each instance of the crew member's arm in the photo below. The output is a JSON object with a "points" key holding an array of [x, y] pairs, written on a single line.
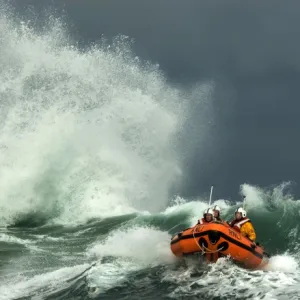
{"points": [[248, 231]]}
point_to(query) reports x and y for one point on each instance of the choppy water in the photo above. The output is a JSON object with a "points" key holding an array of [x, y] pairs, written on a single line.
{"points": [[129, 256]]}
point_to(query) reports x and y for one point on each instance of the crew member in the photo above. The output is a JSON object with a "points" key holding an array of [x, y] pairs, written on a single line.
{"points": [[243, 224], [208, 217], [217, 212]]}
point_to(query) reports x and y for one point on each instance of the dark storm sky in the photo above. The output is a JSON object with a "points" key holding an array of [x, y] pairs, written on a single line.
{"points": [[251, 49]]}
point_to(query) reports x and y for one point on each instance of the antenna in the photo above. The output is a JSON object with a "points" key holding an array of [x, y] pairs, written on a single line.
{"points": [[211, 190], [244, 201]]}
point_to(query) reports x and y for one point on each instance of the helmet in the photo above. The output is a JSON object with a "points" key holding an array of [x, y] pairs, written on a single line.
{"points": [[207, 212], [216, 207], [241, 210]]}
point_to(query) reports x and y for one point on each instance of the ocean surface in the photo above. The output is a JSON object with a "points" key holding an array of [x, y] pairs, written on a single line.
{"points": [[128, 256], [90, 148]]}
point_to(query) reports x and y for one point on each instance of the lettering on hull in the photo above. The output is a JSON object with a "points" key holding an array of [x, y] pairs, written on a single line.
{"points": [[234, 234], [198, 228]]}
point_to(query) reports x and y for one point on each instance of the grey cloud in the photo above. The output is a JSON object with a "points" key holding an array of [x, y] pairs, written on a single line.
{"points": [[249, 48]]}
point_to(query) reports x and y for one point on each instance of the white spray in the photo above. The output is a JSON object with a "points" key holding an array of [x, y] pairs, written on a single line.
{"points": [[83, 134]]}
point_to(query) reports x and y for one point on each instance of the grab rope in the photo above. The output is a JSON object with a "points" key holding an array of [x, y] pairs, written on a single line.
{"points": [[211, 251], [196, 240], [207, 250]]}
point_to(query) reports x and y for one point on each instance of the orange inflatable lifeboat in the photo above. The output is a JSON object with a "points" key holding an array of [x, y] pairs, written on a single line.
{"points": [[216, 240]]}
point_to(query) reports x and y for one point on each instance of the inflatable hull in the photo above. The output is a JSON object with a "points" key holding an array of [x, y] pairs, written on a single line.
{"points": [[215, 240]]}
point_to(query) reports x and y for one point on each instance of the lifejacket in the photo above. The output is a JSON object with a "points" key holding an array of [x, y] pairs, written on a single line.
{"points": [[236, 224]]}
